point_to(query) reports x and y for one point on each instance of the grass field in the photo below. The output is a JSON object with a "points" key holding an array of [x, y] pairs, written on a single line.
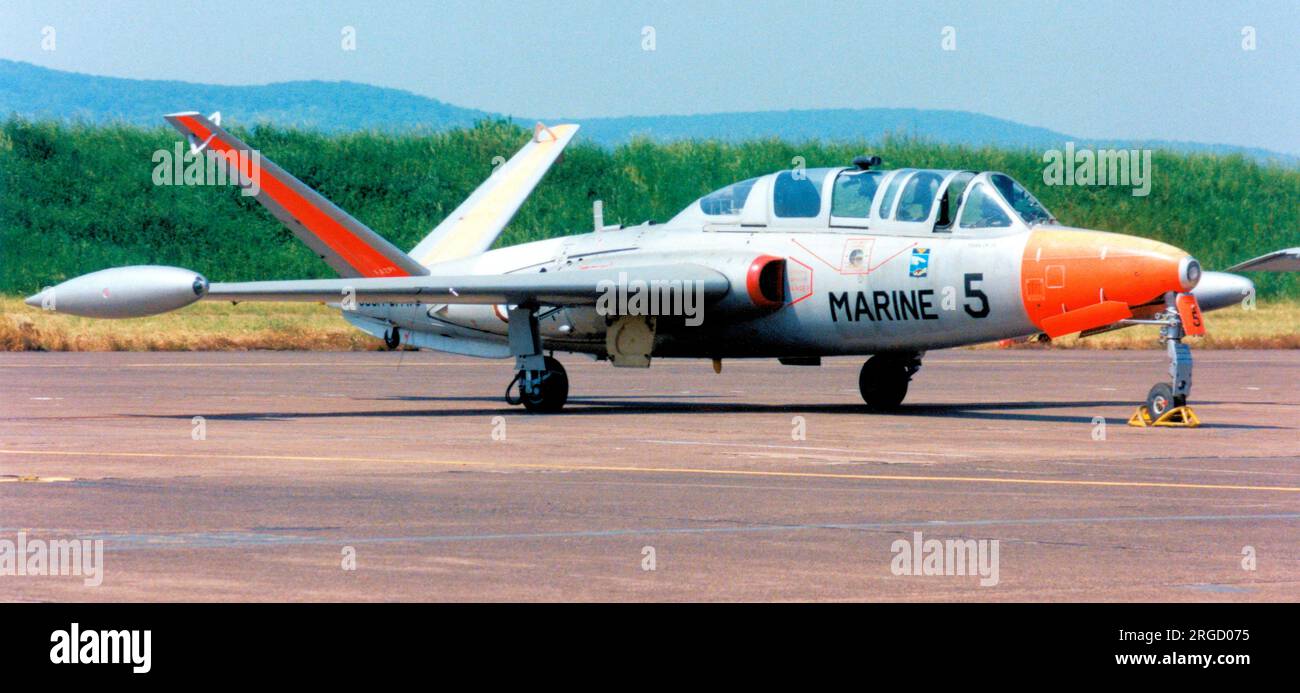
{"points": [[79, 198], [287, 326]]}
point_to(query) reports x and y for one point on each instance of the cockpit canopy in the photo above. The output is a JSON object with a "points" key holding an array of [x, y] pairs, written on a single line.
{"points": [[727, 201], [904, 201]]}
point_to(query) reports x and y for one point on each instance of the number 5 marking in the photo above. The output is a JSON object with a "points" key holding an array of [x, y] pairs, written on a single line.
{"points": [[980, 296]]}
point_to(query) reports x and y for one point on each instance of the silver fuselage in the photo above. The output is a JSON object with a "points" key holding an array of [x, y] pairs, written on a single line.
{"points": [[824, 274]]}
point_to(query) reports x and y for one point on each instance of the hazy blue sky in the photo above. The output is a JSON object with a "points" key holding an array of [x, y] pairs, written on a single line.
{"points": [[1168, 70]]}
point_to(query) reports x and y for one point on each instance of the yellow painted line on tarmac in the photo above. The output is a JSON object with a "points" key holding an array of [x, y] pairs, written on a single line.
{"points": [[667, 470], [32, 479]]}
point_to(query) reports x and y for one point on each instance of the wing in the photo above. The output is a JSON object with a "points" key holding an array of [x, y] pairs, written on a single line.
{"points": [[578, 287]]}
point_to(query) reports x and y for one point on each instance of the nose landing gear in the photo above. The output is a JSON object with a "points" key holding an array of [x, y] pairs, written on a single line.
{"points": [[1166, 403]]}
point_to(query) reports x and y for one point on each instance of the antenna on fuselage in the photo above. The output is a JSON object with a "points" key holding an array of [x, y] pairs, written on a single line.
{"points": [[865, 162]]}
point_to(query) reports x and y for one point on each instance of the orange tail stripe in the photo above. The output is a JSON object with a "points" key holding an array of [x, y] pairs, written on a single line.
{"points": [[365, 259]]}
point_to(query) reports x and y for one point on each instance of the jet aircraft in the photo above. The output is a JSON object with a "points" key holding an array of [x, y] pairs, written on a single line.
{"points": [[795, 265]]}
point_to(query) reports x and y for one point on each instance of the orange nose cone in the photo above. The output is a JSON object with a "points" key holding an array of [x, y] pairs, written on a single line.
{"points": [[1065, 270]]}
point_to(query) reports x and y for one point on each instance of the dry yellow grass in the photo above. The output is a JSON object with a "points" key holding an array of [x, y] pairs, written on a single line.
{"points": [[200, 327], [290, 326], [1270, 325]]}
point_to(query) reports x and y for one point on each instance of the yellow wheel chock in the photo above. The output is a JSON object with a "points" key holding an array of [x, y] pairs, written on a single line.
{"points": [[1179, 417]]}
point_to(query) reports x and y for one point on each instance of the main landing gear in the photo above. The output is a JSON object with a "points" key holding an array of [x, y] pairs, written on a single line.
{"points": [[1166, 403], [543, 392], [543, 384], [884, 379], [393, 338]]}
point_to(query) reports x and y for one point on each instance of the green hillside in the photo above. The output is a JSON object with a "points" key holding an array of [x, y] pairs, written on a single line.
{"points": [[76, 198], [39, 93]]}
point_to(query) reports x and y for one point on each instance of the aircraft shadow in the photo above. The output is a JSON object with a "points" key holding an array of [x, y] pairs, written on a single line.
{"points": [[497, 398], [623, 406]]}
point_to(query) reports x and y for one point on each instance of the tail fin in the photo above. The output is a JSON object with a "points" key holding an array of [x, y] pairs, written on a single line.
{"points": [[347, 245], [476, 223]]}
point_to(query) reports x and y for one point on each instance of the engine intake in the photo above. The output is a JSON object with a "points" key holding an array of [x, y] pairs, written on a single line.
{"points": [[765, 281]]}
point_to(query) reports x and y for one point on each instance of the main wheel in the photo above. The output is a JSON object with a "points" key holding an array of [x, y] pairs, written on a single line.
{"points": [[1161, 399], [549, 395], [883, 382]]}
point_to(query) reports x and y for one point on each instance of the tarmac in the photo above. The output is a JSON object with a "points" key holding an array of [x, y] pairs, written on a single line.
{"points": [[404, 476]]}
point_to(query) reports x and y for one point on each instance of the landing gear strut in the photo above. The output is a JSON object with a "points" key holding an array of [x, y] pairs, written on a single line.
{"points": [[1166, 403], [543, 384], [884, 379]]}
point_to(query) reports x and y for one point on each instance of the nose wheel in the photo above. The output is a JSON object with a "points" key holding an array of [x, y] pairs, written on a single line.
{"points": [[1166, 403], [1161, 399]]}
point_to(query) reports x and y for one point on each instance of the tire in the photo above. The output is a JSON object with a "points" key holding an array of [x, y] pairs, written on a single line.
{"points": [[1160, 399], [883, 382], [552, 393]]}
